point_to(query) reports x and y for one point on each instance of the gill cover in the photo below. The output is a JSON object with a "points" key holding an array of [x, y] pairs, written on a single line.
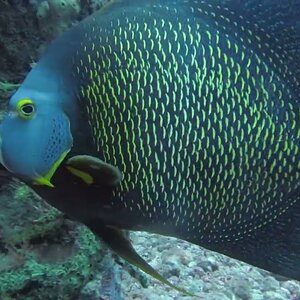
{"points": [[35, 135]]}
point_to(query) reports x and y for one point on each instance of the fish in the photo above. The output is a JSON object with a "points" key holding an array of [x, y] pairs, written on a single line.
{"points": [[178, 117]]}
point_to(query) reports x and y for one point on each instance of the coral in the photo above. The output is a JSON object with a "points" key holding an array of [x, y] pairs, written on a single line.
{"points": [[23, 216], [42, 254], [62, 277], [64, 8], [96, 4], [22, 41], [55, 16]]}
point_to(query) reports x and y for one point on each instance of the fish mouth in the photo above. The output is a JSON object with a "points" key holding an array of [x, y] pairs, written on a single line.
{"points": [[46, 179]]}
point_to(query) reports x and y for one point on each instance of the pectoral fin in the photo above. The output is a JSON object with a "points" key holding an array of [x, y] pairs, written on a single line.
{"points": [[93, 170], [117, 241]]}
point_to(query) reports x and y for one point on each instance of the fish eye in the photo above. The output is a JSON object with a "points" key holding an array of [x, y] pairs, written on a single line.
{"points": [[26, 109]]}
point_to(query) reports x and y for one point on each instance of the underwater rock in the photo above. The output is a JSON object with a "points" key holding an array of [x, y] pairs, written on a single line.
{"points": [[19, 41], [42, 254], [231, 279], [292, 287], [106, 284], [270, 295], [24, 216], [240, 288], [55, 16], [94, 5], [270, 284], [27, 26]]}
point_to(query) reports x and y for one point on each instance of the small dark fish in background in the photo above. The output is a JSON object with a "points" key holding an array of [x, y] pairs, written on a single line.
{"points": [[175, 117]]}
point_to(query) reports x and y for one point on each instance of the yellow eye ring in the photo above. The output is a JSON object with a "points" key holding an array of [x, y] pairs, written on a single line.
{"points": [[26, 109]]}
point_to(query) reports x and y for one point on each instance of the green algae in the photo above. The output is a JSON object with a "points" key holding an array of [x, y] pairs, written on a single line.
{"points": [[6, 87], [36, 280], [6, 90], [43, 255], [24, 216]]}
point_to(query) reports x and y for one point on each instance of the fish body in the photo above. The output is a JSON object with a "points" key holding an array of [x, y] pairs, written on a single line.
{"points": [[196, 107]]}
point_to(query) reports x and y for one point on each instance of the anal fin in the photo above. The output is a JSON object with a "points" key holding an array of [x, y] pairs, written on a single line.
{"points": [[117, 241], [274, 247]]}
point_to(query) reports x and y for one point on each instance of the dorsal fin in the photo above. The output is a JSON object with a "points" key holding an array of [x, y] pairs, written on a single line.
{"points": [[271, 28]]}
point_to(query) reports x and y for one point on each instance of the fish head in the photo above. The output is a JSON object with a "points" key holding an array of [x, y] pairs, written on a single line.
{"points": [[35, 135]]}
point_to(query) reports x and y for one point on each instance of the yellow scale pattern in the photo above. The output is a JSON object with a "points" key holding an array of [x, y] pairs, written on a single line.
{"points": [[199, 124]]}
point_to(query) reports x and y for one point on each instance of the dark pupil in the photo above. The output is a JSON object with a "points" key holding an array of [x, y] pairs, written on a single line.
{"points": [[27, 109]]}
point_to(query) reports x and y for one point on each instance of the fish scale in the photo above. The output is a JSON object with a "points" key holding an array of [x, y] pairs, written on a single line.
{"points": [[196, 136]]}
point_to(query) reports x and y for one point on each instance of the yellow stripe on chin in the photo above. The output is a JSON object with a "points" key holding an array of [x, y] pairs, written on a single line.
{"points": [[43, 181], [46, 180]]}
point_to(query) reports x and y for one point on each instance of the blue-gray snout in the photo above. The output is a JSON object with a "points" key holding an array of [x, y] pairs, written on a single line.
{"points": [[33, 149]]}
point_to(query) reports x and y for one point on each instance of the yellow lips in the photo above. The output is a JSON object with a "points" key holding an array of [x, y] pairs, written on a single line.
{"points": [[46, 180]]}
